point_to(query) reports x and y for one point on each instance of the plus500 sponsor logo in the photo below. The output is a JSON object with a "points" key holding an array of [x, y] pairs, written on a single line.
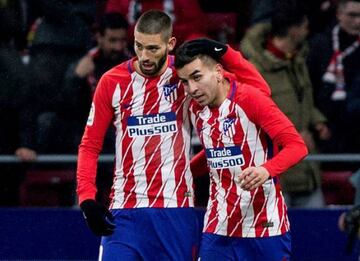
{"points": [[226, 157], [154, 124]]}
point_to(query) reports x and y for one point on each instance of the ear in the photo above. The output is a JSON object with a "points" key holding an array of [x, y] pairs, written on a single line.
{"points": [[219, 72], [171, 44]]}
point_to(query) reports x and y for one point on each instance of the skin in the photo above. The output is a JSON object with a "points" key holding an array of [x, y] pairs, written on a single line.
{"points": [[206, 84], [348, 16], [151, 51]]}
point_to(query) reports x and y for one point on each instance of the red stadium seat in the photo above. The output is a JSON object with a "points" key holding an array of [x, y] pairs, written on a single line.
{"points": [[50, 187], [337, 188]]}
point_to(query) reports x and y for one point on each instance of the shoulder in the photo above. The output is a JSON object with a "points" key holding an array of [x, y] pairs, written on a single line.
{"points": [[250, 99], [119, 74]]}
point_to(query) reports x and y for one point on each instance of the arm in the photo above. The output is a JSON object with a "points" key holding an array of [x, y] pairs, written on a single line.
{"points": [[282, 132], [91, 144], [244, 71], [198, 165], [263, 111]]}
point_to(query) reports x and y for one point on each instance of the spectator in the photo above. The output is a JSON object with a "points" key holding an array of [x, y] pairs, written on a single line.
{"points": [[278, 50], [334, 65], [15, 131], [81, 80], [62, 35], [320, 13]]}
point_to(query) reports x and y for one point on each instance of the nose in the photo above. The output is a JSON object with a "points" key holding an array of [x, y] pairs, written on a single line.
{"points": [[119, 46], [192, 87], [144, 55]]}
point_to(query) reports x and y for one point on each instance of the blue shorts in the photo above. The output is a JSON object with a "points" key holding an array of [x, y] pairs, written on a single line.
{"points": [[152, 234], [215, 247]]}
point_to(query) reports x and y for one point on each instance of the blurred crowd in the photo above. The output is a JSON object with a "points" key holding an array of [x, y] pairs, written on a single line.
{"points": [[53, 52]]}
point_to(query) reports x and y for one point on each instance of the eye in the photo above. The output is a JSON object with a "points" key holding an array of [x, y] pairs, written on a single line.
{"points": [[153, 49], [184, 82], [197, 78], [138, 46]]}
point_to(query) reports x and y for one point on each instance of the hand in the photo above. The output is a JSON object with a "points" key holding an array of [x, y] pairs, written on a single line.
{"points": [[206, 46], [308, 139], [351, 221], [25, 154], [85, 66], [98, 218], [253, 177], [323, 131]]}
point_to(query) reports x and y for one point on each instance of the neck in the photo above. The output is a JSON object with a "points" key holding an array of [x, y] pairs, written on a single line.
{"points": [[285, 44], [224, 87]]}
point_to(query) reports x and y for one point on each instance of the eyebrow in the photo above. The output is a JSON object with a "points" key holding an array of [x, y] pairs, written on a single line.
{"points": [[194, 72], [147, 46], [191, 74]]}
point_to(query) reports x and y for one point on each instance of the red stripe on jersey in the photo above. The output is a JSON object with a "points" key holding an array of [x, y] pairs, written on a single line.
{"points": [[179, 155], [153, 149], [234, 212], [215, 135], [212, 221], [282, 209], [127, 156], [260, 212]]}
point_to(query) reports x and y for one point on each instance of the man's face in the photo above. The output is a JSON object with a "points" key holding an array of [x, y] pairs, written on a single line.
{"points": [[349, 17], [201, 82], [151, 51], [113, 43], [299, 33]]}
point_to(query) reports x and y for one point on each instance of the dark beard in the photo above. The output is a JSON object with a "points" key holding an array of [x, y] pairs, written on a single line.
{"points": [[158, 66]]}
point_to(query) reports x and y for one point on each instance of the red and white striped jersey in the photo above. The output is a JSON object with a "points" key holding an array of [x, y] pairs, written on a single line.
{"points": [[238, 134], [152, 124]]}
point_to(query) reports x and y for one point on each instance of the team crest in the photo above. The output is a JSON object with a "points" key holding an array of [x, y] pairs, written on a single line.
{"points": [[170, 92], [229, 127]]}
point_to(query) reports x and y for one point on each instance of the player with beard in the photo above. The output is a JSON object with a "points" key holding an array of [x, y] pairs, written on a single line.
{"points": [[151, 203], [151, 213]]}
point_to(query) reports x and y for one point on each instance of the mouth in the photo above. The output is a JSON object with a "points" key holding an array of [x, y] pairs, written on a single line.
{"points": [[147, 66], [198, 98]]}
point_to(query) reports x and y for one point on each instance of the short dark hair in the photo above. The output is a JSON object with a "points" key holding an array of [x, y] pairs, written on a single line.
{"points": [[183, 56], [289, 14], [112, 21], [155, 22]]}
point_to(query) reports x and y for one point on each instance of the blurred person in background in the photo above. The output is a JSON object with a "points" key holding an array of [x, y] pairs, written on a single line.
{"points": [[60, 36], [82, 77], [334, 66], [278, 49], [16, 117], [319, 12]]}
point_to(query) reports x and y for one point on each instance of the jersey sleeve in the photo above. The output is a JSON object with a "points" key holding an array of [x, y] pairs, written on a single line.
{"points": [[245, 72], [265, 113], [198, 165], [99, 119]]}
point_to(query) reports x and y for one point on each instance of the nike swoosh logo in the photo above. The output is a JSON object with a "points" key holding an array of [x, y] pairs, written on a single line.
{"points": [[218, 49]]}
